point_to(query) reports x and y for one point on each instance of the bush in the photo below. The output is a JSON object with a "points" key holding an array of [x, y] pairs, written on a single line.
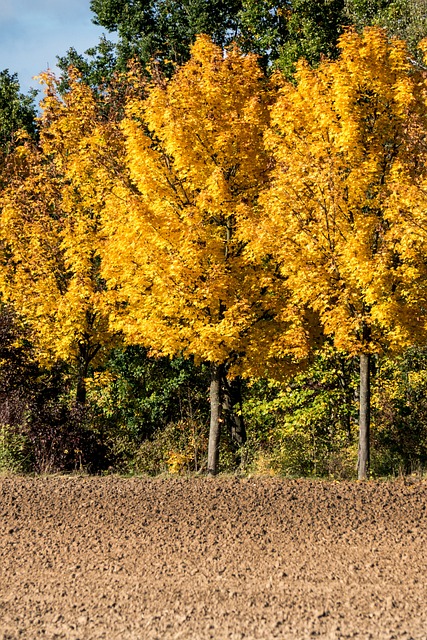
{"points": [[179, 448], [307, 426], [13, 450], [399, 399]]}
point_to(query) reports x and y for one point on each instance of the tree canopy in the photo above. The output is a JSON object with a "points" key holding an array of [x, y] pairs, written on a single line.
{"points": [[50, 227], [174, 257], [17, 111], [160, 31]]}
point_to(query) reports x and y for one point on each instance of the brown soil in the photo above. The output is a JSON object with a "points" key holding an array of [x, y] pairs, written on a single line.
{"points": [[137, 559]]}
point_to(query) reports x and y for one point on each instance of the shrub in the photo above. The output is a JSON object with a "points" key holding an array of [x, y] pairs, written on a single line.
{"points": [[179, 448]]}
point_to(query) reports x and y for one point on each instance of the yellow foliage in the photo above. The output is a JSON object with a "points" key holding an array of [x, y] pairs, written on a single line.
{"points": [[178, 462], [343, 138], [50, 227], [174, 257]]}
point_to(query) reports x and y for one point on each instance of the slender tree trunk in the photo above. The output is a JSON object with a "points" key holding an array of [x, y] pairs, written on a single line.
{"points": [[81, 390], [81, 383], [232, 415], [215, 423], [364, 417], [232, 410]]}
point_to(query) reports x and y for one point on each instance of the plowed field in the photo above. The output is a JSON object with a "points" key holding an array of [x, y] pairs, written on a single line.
{"points": [[221, 558]]}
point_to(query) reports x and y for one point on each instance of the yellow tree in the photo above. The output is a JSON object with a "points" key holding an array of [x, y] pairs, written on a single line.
{"points": [[50, 224], [341, 136], [407, 205], [174, 256]]}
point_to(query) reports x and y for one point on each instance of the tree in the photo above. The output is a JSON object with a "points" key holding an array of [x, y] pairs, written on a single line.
{"points": [[341, 138], [163, 31], [405, 19], [285, 31], [17, 111], [159, 30], [98, 68], [50, 225], [174, 256]]}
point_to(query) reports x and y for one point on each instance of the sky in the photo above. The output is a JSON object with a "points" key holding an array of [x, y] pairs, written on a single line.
{"points": [[34, 32]]}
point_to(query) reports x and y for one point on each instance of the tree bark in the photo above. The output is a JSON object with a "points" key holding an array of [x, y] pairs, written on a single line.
{"points": [[364, 418], [81, 381], [215, 421], [81, 390], [232, 410]]}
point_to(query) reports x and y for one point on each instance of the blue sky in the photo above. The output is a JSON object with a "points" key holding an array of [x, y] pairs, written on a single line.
{"points": [[34, 32]]}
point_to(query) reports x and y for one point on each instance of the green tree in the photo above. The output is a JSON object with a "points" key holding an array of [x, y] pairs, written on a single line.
{"points": [[152, 30], [163, 31], [282, 32], [406, 19], [17, 111], [97, 67]]}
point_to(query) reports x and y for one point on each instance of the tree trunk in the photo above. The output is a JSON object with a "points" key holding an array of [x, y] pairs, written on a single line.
{"points": [[81, 382], [364, 417], [81, 389], [232, 410], [215, 423]]}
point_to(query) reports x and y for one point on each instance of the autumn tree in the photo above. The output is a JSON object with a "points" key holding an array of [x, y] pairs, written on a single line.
{"points": [[174, 252], [50, 222], [341, 137]]}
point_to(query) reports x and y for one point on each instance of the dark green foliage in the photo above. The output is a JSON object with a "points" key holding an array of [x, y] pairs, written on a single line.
{"points": [[146, 394], [263, 28], [365, 12], [97, 67], [136, 397], [164, 29], [161, 31], [400, 414], [282, 32], [313, 31], [17, 111], [307, 426], [406, 19]]}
